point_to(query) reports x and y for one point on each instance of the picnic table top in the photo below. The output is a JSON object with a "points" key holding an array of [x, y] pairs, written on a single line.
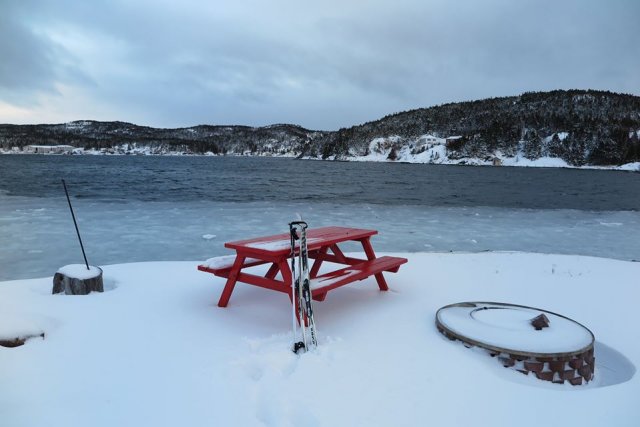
{"points": [[280, 244]]}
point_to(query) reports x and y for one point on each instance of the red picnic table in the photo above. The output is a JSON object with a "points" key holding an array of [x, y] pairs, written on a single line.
{"points": [[322, 245]]}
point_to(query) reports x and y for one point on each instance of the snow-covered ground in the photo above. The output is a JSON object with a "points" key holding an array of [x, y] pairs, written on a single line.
{"points": [[432, 150], [427, 149], [153, 349]]}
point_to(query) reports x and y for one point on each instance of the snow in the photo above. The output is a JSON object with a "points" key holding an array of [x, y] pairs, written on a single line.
{"points": [[277, 245], [431, 149], [425, 149], [79, 271], [224, 261], [274, 245], [542, 162], [328, 281], [510, 328], [155, 349], [633, 167], [16, 324], [561, 136]]}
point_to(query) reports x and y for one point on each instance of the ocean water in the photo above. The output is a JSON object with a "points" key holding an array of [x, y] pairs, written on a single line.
{"points": [[138, 208]]}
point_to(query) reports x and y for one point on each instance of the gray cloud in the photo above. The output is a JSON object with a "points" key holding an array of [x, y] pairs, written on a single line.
{"points": [[27, 62], [324, 65]]}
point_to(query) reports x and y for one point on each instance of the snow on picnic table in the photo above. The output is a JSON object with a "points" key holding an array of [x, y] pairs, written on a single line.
{"points": [[155, 350], [278, 245]]}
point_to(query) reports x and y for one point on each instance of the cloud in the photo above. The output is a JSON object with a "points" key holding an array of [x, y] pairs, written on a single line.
{"points": [[323, 65], [28, 63], [32, 64]]}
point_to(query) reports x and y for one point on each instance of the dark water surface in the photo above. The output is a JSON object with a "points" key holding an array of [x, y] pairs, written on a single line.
{"points": [[251, 179]]}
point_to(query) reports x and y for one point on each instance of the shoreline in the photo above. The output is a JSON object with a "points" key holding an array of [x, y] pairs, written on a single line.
{"points": [[519, 162]]}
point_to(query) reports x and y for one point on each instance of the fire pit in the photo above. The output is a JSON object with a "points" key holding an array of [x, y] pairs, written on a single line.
{"points": [[529, 340]]}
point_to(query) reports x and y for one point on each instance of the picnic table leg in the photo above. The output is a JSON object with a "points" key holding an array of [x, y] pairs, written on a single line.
{"points": [[273, 271], [315, 268], [231, 281], [320, 297], [339, 257], [339, 254], [317, 262], [286, 276], [368, 250]]}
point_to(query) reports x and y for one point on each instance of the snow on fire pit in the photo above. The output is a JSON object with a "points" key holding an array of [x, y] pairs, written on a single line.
{"points": [[553, 347]]}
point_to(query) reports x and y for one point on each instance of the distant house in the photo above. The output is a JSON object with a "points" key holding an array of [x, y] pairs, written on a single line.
{"points": [[427, 138], [49, 149], [455, 138]]}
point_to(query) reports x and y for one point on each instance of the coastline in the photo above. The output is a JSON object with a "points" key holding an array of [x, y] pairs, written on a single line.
{"points": [[502, 161]]}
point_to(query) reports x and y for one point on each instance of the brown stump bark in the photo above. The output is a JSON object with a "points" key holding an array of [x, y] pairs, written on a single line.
{"points": [[74, 286]]}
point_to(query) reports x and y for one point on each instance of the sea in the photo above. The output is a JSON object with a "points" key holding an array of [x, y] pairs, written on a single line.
{"points": [[156, 208]]}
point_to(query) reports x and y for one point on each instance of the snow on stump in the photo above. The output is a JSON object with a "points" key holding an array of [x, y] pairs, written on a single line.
{"points": [[530, 340], [75, 279]]}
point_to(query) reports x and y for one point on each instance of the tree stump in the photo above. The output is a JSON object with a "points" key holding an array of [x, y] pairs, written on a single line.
{"points": [[75, 279]]}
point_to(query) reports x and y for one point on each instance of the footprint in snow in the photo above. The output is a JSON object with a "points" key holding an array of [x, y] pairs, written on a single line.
{"points": [[269, 364], [274, 409], [271, 357]]}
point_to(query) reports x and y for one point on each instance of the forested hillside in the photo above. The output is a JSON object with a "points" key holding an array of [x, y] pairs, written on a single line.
{"points": [[580, 127]]}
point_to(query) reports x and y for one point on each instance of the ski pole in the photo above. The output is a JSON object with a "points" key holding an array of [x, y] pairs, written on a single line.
{"points": [[293, 288], [306, 282], [75, 223]]}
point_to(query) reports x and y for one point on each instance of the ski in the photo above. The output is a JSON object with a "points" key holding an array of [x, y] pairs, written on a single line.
{"points": [[306, 286], [302, 310]]}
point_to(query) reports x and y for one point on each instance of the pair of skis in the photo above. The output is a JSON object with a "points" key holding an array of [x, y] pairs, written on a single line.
{"points": [[302, 311]]}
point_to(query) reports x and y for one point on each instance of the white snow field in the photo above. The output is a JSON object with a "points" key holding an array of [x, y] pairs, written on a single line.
{"points": [[155, 350]]}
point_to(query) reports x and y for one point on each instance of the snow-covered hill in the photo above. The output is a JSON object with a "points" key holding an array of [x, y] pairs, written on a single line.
{"points": [[433, 150], [560, 128]]}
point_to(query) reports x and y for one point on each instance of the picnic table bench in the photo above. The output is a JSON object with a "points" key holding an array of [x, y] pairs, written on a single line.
{"points": [[322, 246]]}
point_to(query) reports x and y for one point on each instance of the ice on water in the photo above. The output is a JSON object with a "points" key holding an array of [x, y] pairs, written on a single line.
{"points": [[38, 237]]}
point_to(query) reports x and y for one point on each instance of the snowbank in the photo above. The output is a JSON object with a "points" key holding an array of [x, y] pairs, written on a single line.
{"points": [[155, 350]]}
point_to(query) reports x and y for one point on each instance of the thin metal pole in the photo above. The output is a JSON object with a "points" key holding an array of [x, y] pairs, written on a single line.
{"points": [[294, 300], [76, 224]]}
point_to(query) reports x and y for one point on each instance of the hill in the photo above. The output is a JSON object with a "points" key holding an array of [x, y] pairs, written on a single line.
{"points": [[580, 127]]}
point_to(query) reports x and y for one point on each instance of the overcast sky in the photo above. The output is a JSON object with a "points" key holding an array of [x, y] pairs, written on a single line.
{"points": [[323, 65]]}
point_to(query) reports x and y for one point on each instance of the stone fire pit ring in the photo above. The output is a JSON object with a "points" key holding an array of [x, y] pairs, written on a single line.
{"points": [[551, 346]]}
